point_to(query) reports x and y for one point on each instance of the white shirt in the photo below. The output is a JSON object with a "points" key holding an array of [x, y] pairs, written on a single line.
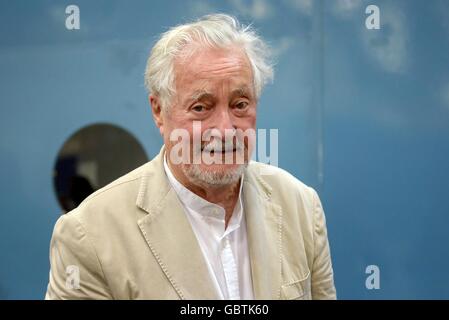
{"points": [[225, 251]]}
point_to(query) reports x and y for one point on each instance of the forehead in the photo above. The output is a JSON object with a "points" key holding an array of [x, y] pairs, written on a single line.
{"points": [[206, 67]]}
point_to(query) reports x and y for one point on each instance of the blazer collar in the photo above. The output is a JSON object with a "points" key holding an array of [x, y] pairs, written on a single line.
{"points": [[172, 241]]}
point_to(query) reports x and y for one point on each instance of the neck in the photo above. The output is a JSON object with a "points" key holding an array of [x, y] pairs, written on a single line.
{"points": [[224, 196], [217, 194]]}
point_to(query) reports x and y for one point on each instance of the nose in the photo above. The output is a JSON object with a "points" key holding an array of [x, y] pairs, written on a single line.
{"points": [[224, 121]]}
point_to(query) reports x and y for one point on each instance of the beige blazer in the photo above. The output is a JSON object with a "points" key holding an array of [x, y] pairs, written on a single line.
{"points": [[132, 240]]}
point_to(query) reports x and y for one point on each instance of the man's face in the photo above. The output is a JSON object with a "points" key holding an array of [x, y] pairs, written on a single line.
{"points": [[214, 87]]}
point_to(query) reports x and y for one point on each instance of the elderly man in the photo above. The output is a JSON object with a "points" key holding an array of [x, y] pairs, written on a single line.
{"points": [[177, 228]]}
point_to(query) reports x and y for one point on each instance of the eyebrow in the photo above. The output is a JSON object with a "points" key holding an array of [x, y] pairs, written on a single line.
{"points": [[204, 95], [241, 92], [200, 95]]}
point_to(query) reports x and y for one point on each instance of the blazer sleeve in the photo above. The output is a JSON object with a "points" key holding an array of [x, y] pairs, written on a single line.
{"points": [[322, 274], [75, 270]]}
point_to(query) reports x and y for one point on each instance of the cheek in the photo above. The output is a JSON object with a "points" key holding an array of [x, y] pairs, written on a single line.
{"points": [[175, 121], [248, 122], [178, 133], [253, 121], [180, 121]]}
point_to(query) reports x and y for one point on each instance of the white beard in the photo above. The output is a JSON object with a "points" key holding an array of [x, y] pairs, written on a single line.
{"points": [[205, 178]]}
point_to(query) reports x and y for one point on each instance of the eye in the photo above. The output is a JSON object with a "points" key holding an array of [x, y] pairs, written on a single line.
{"points": [[241, 105], [198, 108]]}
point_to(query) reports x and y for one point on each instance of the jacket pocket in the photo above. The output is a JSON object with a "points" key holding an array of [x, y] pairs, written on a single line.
{"points": [[297, 290]]}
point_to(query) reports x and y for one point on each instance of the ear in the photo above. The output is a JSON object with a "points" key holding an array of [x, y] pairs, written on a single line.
{"points": [[156, 109]]}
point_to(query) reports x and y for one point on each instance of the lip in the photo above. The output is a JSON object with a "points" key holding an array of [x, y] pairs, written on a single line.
{"points": [[219, 151]]}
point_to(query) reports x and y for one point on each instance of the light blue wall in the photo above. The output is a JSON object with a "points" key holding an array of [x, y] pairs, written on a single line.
{"points": [[363, 116]]}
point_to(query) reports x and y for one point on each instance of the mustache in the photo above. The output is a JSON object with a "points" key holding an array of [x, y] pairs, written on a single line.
{"points": [[218, 145]]}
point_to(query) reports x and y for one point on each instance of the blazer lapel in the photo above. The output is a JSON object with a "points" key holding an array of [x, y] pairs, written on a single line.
{"points": [[170, 237], [264, 228]]}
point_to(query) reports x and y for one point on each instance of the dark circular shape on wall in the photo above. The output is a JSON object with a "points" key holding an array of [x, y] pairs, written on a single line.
{"points": [[91, 158]]}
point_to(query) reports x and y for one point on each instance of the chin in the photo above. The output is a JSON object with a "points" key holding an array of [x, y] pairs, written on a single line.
{"points": [[214, 175]]}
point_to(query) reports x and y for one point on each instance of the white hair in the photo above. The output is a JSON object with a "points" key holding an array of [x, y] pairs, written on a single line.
{"points": [[217, 31]]}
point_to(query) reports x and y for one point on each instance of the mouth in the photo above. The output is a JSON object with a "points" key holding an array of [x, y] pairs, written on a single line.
{"points": [[221, 151], [218, 151]]}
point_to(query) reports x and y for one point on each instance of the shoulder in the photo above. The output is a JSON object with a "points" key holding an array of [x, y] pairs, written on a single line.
{"points": [[280, 183], [300, 203], [111, 205], [125, 182]]}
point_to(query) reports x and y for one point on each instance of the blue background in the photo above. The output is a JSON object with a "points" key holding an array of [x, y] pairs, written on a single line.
{"points": [[363, 116]]}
